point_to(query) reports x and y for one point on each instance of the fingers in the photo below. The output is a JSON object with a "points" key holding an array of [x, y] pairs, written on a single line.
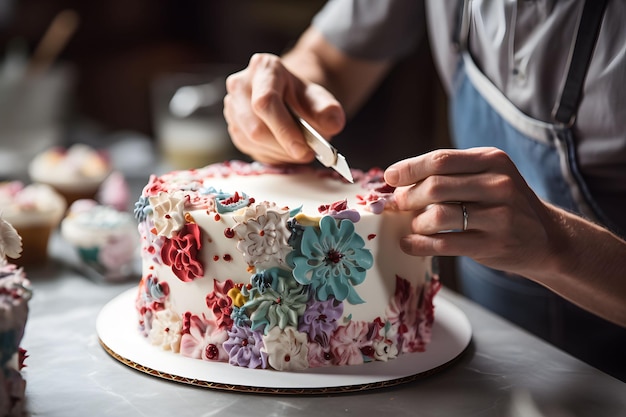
{"points": [[447, 217], [444, 162], [256, 109]]}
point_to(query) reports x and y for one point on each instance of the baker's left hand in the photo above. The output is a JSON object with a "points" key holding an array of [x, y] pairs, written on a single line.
{"points": [[508, 227]]}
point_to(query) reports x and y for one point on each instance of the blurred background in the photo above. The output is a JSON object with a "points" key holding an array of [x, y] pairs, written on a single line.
{"points": [[121, 49], [102, 73]]}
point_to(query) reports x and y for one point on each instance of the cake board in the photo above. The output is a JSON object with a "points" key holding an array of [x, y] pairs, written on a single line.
{"points": [[119, 336]]}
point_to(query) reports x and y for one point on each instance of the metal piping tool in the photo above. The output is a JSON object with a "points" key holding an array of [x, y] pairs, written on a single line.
{"points": [[324, 151]]}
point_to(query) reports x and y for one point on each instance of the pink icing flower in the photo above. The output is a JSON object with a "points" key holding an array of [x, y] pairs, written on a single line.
{"points": [[202, 339], [350, 343], [181, 253], [220, 303], [402, 312], [319, 356]]}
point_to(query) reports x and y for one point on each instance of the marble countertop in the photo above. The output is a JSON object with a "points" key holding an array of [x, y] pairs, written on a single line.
{"points": [[504, 372]]}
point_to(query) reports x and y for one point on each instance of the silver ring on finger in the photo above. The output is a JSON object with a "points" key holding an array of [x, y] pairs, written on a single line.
{"points": [[465, 216]]}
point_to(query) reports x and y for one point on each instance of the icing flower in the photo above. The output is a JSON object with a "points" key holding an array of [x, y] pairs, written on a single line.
{"points": [[225, 203], [279, 305], [264, 238], [339, 210], [203, 339], [288, 350], [402, 311], [385, 344], [10, 241], [166, 330], [168, 213], [319, 320], [181, 253], [350, 343], [220, 303], [332, 260], [244, 348], [319, 356], [142, 209]]}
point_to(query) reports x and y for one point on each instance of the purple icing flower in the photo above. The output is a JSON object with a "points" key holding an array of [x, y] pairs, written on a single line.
{"points": [[244, 348], [319, 320]]}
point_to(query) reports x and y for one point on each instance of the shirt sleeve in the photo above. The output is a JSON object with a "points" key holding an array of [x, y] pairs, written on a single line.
{"points": [[372, 29]]}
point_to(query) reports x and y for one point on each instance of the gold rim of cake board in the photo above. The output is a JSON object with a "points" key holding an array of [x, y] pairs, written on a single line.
{"points": [[268, 390]]}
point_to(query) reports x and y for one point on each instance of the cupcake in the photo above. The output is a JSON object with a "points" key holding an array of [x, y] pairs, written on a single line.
{"points": [[76, 172], [106, 239], [35, 211], [15, 293]]}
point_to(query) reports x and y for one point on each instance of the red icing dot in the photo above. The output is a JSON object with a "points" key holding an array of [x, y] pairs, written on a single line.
{"points": [[228, 258], [371, 236], [251, 200], [287, 358], [229, 233], [212, 352], [244, 342], [216, 258], [262, 233], [367, 351], [217, 217]]}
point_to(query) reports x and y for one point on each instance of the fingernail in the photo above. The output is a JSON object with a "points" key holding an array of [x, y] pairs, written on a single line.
{"points": [[392, 176]]}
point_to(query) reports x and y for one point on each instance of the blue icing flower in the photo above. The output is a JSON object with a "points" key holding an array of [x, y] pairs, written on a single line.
{"points": [[226, 203], [142, 208], [279, 304], [239, 316], [332, 259]]}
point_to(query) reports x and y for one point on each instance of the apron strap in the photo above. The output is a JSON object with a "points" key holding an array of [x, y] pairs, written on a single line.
{"points": [[588, 30]]}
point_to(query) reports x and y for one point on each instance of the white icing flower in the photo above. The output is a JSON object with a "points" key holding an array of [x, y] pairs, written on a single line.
{"points": [[263, 235], [166, 330], [386, 347], [10, 241], [169, 216], [287, 349]]}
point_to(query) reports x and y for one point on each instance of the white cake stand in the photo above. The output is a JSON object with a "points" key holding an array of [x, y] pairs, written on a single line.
{"points": [[117, 329]]}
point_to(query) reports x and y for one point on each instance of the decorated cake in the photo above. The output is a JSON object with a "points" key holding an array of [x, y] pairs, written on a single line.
{"points": [[280, 268], [105, 238], [14, 296]]}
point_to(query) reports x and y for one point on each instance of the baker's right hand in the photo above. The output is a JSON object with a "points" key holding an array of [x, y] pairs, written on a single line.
{"points": [[259, 121]]}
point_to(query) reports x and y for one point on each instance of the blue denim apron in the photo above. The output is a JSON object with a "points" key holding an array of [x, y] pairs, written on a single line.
{"points": [[543, 152]]}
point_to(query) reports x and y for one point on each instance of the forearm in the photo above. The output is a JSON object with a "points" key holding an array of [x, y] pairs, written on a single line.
{"points": [[588, 267], [350, 80]]}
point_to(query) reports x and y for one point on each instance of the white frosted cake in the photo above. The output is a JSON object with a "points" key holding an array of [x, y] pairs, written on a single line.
{"points": [[280, 268], [15, 293]]}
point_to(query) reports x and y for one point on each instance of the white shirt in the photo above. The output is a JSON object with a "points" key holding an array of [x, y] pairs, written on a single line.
{"points": [[523, 47]]}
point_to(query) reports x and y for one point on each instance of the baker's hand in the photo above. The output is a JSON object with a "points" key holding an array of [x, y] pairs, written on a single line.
{"points": [[507, 226], [256, 110]]}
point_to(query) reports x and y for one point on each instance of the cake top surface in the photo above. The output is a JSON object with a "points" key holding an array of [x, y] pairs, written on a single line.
{"points": [[30, 204], [77, 165], [229, 186]]}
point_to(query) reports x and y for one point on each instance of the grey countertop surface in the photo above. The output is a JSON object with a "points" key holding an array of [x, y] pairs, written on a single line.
{"points": [[504, 371]]}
